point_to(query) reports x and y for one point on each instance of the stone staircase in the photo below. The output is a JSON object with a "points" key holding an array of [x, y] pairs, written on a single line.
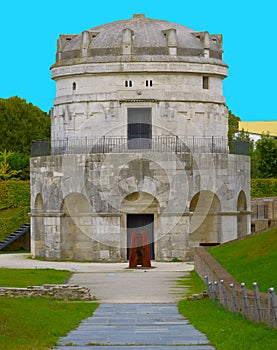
{"points": [[15, 236]]}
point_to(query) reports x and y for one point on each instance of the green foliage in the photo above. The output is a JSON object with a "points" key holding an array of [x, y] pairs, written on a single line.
{"points": [[20, 123], [266, 155], [25, 277], [6, 172], [14, 194], [233, 125], [263, 188], [14, 205], [253, 259], [9, 224], [20, 162], [37, 323]]}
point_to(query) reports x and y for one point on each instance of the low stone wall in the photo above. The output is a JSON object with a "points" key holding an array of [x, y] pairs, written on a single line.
{"points": [[206, 265], [258, 226], [55, 291]]}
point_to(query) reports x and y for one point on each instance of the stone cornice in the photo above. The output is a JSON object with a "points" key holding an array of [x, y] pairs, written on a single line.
{"points": [[140, 67]]}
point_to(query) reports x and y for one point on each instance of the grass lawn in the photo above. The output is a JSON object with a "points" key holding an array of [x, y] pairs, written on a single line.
{"points": [[224, 330], [11, 219], [37, 323], [9, 213], [253, 259], [32, 277]]}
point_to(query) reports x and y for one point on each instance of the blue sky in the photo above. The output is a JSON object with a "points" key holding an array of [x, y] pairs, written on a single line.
{"points": [[29, 30]]}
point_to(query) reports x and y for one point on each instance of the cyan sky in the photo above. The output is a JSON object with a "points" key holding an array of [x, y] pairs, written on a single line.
{"points": [[29, 30]]}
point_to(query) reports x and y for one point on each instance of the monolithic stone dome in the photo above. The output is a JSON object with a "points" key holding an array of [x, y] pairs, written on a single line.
{"points": [[139, 39]]}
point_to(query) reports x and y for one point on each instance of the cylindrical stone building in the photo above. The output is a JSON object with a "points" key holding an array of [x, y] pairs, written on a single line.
{"points": [[138, 144]]}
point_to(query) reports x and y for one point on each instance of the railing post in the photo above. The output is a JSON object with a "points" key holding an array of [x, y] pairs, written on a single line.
{"points": [[224, 293], [212, 293], [257, 301], [244, 301], [207, 285], [216, 291], [272, 304], [234, 300]]}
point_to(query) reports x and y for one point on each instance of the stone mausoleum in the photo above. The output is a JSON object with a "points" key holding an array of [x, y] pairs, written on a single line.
{"points": [[138, 144]]}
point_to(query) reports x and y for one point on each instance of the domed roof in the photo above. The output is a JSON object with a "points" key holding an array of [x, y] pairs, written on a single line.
{"points": [[139, 39]]}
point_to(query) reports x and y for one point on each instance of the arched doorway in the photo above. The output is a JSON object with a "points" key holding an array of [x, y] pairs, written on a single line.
{"points": [[140, 211], [205, 222], [242, 217]]}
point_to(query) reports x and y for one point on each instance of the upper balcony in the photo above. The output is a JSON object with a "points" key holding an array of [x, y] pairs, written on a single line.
{"points": [[159, 144]]}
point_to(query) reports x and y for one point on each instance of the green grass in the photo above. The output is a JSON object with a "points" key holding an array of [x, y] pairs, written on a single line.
{"points": [[224, 330], [36, 277], [11, 219], [192, 283], [253, 259], [37, 324], [9, 213]]}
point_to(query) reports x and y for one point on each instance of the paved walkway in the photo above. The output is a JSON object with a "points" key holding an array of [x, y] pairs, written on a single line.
{"points": [[138, 306], [135, 326]]}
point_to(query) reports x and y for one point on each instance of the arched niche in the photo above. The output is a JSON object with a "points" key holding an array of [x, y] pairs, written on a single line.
{"points": [[37, 228], [76, 228], [242, 217], [205, 220]]}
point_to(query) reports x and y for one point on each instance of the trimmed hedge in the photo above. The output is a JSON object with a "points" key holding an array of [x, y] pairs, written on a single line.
{"points": [[12, 223], [14, 194], [263, 188]]}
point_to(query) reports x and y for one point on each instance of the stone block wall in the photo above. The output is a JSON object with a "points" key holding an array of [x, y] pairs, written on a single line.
{"points": [[63, 291]]}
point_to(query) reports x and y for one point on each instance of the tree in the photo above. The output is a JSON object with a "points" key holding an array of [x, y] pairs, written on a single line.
{"points": [[19, 161], [20, 123], [6, 173], [233, 125], [266, 156]]}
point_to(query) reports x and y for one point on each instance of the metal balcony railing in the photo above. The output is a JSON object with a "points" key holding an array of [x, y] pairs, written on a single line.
{"points": [[164, 144]]}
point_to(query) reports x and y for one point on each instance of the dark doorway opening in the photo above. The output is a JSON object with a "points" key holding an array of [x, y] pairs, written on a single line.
{"points": [[139, 128], [141, 223]]}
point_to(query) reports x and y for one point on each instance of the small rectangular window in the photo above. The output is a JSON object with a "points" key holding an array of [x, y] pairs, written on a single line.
{"points": [[128, 83], [205, 82]]}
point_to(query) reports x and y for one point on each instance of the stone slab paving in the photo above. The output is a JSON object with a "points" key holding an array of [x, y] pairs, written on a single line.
{"points": [[135, 326], [133, 286]]}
